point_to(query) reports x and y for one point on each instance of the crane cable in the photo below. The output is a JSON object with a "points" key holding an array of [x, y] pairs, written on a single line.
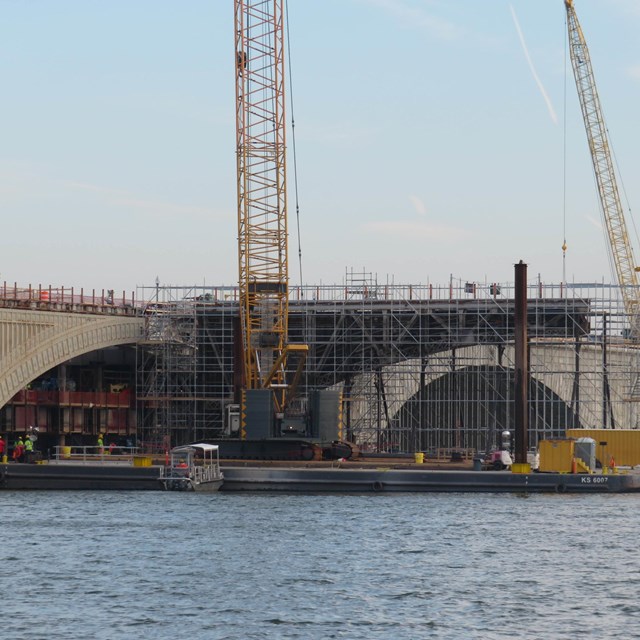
{"points": [[564, 169], [293, 142], [295, 169]]}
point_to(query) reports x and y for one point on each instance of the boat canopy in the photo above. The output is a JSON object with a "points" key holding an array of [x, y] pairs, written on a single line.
{"points": [[205, 446]]}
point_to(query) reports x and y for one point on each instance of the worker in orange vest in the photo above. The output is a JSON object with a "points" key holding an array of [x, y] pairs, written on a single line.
{"points": [[18, 450]]}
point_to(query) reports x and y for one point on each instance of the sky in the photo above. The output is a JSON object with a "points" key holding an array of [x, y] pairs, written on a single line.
{"points": [[435, 140]]}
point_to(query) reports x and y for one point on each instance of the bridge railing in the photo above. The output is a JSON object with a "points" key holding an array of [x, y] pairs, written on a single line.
{"points": [[65, 298], [167, 298]]}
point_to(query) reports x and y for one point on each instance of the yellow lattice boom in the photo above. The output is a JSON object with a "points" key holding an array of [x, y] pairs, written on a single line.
{"points": [[262, 197], [619, 244]]}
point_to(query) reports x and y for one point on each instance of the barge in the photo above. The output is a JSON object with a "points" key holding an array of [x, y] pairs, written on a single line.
{"points": [[91, 476], [83, 467], [395, 480], [346, 477]]}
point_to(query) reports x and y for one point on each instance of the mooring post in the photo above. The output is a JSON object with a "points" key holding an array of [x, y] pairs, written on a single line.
{"points": [[521, 391]]}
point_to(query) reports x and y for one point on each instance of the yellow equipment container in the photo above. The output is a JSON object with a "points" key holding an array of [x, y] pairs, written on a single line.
{"points": [[141, 461], [556, 455], [623, 445], [66, 452], [419, 457]]}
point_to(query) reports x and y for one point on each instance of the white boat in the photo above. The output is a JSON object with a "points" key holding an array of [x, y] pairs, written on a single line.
{"points": [[193, 467]]}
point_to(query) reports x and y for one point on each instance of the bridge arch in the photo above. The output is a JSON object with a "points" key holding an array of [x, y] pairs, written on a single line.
{"points": [[569, 388], [469, 408], [33, 342]]}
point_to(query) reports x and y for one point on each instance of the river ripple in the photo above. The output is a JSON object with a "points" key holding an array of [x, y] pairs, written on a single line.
{"points": [[111, 565]]}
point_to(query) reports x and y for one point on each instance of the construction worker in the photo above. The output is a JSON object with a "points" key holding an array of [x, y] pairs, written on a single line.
{"points": [[3, 454], [28, 448], [100, 444], [18, 450]]}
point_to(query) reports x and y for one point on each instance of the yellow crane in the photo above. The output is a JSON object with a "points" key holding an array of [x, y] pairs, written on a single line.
{"points": [[619, 244], [269, 362]]}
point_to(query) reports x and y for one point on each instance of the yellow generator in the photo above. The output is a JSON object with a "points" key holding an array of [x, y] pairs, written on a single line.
{"points": [[556, 455]]}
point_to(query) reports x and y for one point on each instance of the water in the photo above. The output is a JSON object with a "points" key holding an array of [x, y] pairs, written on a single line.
{"points": [[111, 565]]}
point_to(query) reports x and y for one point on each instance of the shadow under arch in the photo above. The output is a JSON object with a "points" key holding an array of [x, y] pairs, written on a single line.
{"points": [[469, 408]]}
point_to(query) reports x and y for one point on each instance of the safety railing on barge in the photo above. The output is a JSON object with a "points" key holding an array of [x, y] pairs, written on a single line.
{"points": [[81, 455]]}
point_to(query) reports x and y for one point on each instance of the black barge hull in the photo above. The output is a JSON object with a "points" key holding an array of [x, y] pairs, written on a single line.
{"points": [[326, 479], [93, 477], [238, 478]]}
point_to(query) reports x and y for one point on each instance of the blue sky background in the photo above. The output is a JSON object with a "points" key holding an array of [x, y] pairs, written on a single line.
{"points": [[425, 146]]}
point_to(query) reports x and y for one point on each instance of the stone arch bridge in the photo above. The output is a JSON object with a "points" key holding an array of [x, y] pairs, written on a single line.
{"points": [[34, 340], [349, 339]]}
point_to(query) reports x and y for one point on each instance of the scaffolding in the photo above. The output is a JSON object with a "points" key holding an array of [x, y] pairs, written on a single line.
{"points": [[420, 368], [184, 367]]}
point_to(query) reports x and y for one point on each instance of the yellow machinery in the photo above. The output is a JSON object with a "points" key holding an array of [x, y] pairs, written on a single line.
{"points": [[268, 368], [614, 447], [556, 456], [268, 361], [620, 247]]}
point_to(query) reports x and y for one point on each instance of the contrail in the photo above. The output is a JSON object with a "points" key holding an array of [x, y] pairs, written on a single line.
{"points": [[552, 113], [418, 205]]}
